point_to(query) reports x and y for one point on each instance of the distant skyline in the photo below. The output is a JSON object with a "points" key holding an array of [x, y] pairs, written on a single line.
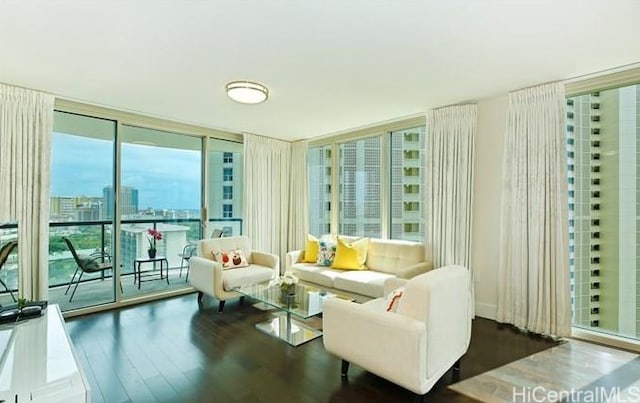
{"points": [[165, 178]]}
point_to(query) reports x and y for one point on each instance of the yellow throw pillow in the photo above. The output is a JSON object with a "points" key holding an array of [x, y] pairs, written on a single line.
{"points": [[311, 248], [351, 256]]}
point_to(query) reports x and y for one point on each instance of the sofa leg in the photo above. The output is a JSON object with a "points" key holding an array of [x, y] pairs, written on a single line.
{"points": [[242, 299], [345, 368], [456, 365], [220, 306], [420, 398], [200, 295]]}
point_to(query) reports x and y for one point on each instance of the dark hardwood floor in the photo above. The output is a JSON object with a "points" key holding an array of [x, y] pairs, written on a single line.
{"points": [[174, 351]]}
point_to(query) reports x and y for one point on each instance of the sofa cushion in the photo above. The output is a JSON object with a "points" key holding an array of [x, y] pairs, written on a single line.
{"points": [[312, 273], [389, 255], [364, 282], [311, 248], [351, 255], [211, 245], [230, 259], [326, 252], [246, 275]]}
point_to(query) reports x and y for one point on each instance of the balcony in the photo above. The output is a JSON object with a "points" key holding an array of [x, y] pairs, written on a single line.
{"points": [[94, 236]]}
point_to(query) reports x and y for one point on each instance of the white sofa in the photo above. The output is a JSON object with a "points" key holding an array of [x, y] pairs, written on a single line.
{"points": [[209, 277], [415, 345], [387, 260]]}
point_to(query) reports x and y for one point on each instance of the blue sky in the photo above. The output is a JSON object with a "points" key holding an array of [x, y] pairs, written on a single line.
{"points": [[165, 178]]}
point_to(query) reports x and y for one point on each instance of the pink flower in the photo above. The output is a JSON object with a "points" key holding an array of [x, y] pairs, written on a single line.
{"points": [[155, 235]]}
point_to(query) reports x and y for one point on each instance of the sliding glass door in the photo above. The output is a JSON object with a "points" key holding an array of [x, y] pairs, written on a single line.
{"points": [[160, 194]]}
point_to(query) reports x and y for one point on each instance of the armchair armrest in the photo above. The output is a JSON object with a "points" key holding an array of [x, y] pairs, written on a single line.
{"points": [[393, 283], [414, 270], [205, 275], [292, 258], [268, 260], [353, 332]]}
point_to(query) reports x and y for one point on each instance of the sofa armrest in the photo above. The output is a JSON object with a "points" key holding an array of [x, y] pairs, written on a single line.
{"points": [[268, 260], [292, 258], [354, 331], [414, 270]]}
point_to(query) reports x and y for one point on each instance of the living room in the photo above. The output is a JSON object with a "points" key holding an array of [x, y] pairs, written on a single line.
{"points": [[151, 78]]}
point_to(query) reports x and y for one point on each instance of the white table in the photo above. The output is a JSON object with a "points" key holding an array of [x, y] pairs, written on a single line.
{"points": [[38, 363]]}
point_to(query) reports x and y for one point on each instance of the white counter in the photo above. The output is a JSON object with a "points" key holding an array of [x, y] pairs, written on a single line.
{"points": [[38, 363]]}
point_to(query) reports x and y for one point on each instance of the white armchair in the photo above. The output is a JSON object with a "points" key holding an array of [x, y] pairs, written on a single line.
{"points": [[414, 346], [209, 277]]}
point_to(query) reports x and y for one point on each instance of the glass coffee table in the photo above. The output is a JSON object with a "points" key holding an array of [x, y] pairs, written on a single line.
{"points": [[304, 303]]}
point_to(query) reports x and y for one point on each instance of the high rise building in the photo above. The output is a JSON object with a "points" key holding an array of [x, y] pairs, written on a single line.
{"points": [[407, 184], [603, 139], [128, 201], [225, 191]]}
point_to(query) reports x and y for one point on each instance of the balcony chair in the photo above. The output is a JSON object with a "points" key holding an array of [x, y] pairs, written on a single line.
{"points": [[93, 263], [413, 346], [5, 251], [188, 251], [210, 277]]}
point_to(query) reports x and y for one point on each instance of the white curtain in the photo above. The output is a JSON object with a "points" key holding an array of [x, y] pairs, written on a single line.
{"points": [[299, 200], [450, 154], [26, 121], [267, 165], [533, 283]]}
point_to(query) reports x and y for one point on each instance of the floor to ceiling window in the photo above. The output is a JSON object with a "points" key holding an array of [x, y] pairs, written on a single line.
{"points": [[378, 185], [82, 160], [603, 140]]}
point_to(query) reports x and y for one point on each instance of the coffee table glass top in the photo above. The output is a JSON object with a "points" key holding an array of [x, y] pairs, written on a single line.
{"points": [[304, 303]]}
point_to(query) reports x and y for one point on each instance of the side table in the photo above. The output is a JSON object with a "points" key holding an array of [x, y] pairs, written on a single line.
{"points": [[137, 273]]}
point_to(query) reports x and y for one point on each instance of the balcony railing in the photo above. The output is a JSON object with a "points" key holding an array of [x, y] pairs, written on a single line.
{"points": [[96, 235]]}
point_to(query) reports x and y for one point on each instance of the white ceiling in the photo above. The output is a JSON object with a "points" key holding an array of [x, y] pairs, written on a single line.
{"points": [[330, 65]]}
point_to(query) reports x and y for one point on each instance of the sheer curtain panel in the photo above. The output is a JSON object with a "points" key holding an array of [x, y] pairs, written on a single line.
{"points": [[450, 151], [26, 121], [267, 166], [299, 199], [533, 274]]}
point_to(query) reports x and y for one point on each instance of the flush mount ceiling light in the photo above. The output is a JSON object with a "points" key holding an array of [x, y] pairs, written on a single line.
{"points": [[247, 92]]}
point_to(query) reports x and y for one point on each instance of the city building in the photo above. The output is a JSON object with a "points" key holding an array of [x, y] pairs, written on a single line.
{"points": [[75, 208], [128, 201]]}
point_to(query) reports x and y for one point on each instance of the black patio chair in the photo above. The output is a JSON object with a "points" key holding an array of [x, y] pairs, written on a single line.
{"points": [[5, 251], [94, 263]]}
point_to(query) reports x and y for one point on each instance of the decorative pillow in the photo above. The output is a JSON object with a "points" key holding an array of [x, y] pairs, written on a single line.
{"points": [[393, 299], [351, 256], [311, 249], [326, 251], [230, 259]]}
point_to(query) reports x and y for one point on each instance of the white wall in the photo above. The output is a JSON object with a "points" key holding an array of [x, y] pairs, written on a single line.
{"points": [[492, 117]]}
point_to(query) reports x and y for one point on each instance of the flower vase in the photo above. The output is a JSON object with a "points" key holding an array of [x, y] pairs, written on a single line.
{"points": [[152, 253], [287, 293]]}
